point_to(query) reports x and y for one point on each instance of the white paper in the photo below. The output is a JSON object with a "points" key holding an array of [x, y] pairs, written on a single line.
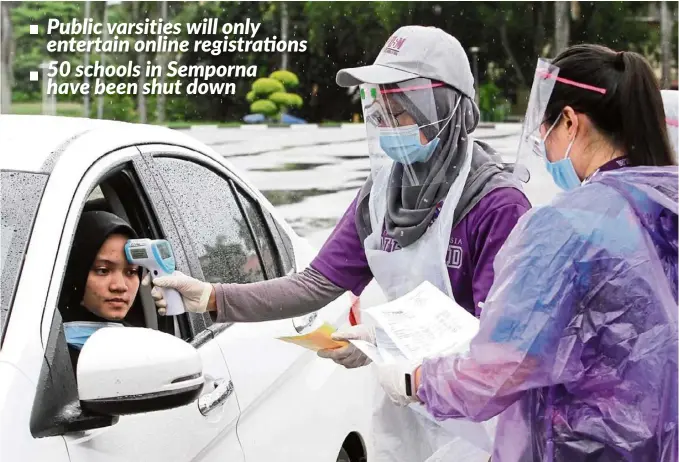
{"points": [[423, 323]]}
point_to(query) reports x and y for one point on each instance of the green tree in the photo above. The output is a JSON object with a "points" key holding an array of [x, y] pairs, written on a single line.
{"points": [[30, 50], [271, 95]]}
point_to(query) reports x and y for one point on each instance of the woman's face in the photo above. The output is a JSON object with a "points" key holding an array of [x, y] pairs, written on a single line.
{"points": [[574, 130], [112, 283], [403, 119]]}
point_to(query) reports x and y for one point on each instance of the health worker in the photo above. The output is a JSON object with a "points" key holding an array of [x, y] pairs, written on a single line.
{"points": [[577, 348]]}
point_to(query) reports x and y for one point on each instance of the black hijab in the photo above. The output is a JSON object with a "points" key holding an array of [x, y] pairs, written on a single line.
{"points": [[93, 230]]}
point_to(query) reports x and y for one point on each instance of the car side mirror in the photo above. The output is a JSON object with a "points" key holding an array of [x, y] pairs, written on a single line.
{"points": [[134, 370]]}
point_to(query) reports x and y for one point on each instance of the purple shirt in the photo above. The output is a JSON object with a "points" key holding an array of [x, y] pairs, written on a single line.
{"points": [[474, 242]]}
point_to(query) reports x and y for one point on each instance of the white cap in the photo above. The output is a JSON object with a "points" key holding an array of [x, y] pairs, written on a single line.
{"points": [[416, 51]]}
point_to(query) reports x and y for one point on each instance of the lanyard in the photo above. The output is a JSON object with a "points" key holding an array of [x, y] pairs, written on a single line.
{"points": [[620, 162], [614, 164]]}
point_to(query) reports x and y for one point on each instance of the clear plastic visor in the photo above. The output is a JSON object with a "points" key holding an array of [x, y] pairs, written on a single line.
{"points": [[402, 123], [536, 128], [541, 91]]}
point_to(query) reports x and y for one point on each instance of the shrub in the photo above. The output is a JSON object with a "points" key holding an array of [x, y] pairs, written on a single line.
{"points": [[265, 86], [287, 78], [286, 99], [269, 95], [493, 106], [264, 106], [116, 107]]}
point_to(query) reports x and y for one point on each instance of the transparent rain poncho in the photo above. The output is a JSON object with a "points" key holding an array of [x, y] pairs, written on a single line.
{"points": [[577, 349]]}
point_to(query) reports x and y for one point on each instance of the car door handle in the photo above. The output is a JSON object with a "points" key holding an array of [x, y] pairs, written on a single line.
{"points": [[302, 323], [210, 401]]}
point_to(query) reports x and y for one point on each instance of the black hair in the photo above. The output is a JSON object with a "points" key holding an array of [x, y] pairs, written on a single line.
{"points": [[631, 113]]}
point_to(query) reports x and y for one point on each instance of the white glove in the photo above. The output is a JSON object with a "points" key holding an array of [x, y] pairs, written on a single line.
{"points": [[349, 356], [195, 294], [392, 377]]}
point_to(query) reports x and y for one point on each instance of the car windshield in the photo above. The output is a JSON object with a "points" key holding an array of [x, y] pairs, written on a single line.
{"points": [[20, 194]]}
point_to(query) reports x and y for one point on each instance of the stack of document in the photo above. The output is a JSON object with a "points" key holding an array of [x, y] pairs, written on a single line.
{"points": [[421, 324]]}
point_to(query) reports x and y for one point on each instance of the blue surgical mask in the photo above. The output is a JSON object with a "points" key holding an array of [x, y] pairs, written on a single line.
{"points": [[78, 332], [402, 144], [562, 171]]}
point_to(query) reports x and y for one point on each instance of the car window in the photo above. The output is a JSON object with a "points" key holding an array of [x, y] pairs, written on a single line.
{"points": [[286, 251], [20, 194], [267, 249], [218, 231]]}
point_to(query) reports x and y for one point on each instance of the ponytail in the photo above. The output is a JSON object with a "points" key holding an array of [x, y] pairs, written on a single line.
{"points": [[631, 113], [644, 130]]}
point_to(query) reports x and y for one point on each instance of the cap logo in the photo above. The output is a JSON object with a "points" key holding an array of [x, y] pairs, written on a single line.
{"points": [[394, 45]]}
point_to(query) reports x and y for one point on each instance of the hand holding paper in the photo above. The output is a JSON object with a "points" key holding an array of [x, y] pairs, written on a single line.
{"points": [[319, 339], [350, 356]]}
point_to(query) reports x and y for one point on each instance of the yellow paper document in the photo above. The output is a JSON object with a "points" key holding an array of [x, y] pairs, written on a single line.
{"points": [[316, 340]]}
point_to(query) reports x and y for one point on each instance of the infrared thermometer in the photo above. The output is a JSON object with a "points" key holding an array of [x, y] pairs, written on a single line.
{"points": [[157, 257]]}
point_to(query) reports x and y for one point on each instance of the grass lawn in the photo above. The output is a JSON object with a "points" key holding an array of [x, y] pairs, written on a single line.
{"points": [[33, 108], [76, 110]]}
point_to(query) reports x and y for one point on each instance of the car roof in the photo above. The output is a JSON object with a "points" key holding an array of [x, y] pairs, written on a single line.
{"points": [[28, 141]]}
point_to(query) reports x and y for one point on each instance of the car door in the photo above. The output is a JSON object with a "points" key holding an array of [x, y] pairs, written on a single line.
{"points": [[21, 303], [282, 389], [203, 430]]}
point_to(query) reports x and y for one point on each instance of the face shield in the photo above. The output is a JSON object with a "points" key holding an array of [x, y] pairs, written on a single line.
{"points": [[543, 85], [403, 124], [531, 142]]}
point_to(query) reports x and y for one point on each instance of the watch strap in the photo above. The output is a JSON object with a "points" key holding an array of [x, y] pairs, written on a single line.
{"points": [[409, 385]]}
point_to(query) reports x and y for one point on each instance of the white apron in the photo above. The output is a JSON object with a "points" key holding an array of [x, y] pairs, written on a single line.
{"points": [[400, 435]]}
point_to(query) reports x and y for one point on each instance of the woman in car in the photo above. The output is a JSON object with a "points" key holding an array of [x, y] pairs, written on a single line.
{"points": [[100, 286]]}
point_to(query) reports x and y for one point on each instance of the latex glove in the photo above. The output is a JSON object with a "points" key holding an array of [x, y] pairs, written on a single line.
{"points": [[349, 356], [195, 294], [358, 332], [392, 377]]}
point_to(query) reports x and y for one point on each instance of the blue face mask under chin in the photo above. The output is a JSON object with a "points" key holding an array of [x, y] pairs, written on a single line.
{"points": [[402, 144], [563, 173], [78, 332]]}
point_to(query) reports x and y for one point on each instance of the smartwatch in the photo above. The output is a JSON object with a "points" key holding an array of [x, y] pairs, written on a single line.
{"points": [[410, 385]]}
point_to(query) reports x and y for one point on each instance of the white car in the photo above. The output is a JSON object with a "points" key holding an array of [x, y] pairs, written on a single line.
{"points": [[177, 388]]}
